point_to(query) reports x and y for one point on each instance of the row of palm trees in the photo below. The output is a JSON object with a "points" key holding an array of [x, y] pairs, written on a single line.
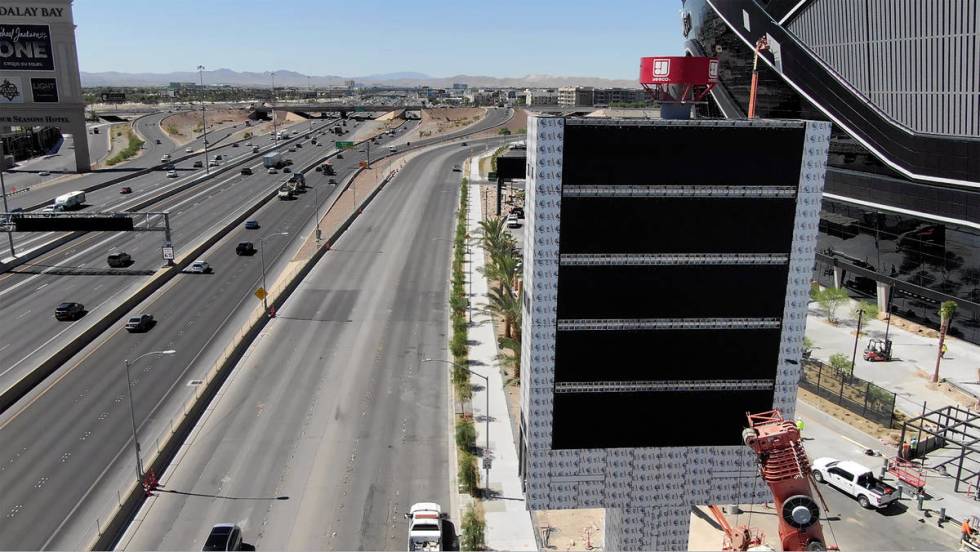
{"points": [[505, 297]]}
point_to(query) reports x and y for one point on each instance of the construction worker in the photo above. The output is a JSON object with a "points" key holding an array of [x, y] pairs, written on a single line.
{"points": [[942, 352], [800, 425], [966, 531]]}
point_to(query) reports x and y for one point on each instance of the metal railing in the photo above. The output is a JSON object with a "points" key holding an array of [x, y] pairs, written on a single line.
{"points": [[851, 392]]}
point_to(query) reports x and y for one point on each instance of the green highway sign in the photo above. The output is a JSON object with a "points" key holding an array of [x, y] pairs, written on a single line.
{"points": [[343, 145]]}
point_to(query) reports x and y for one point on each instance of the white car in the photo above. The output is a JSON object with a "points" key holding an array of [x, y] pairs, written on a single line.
{"points": [[188, 150], [272, 170], [425, 526], [44, 173], [513, 222], [855, 480], [199, 267], [171, 174], [213, 163]]}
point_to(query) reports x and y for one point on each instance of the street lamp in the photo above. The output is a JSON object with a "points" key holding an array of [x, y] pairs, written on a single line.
{"points": [[204, 122], [132, 411], [275, 131], [265, 298], [486, 412]]}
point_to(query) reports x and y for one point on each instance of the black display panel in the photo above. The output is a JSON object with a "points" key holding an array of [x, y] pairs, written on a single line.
{"points": [[689, 156], [676, 225], [671, 291], [677, 419], [588, 356], [90, 224]]}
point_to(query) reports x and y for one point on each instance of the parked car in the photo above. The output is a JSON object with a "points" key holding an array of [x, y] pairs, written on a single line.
{"points": [[125, 190], [224, 536], [199, 267], [139, 323], [245, 248], [517, 211], [247, 171], [251, 225], [512, 221], [171, 174], [119, 260], [855, 480], [69, 311]]}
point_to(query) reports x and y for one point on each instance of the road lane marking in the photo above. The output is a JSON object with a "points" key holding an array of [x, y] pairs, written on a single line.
{"points": [[4, 347], [23, 314]]}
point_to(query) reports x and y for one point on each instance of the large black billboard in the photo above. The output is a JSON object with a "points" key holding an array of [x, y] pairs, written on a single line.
{"points": [[26, 223], [25, 48]]}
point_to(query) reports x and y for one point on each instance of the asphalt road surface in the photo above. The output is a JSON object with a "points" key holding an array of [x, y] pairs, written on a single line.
{"points": [[78, 271], [58, 161], [81, 411], [332, 406]]}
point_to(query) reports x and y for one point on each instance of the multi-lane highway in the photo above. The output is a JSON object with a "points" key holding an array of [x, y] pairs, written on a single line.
{"points": [[350, 424], [80, 411], [78, 272]]}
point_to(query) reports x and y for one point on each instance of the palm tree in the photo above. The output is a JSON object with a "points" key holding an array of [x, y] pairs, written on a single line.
{"points": [[946, 311], [513, 346], [507, 306]]}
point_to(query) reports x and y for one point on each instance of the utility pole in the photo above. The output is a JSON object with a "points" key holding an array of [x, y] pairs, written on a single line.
{"points": [[204, 122], [275, 129], [3, 191]]}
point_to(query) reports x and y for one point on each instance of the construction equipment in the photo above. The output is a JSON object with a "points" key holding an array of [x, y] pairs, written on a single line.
{"points": [[741, 538], [785, 468], [760, 45], [878, 350]]}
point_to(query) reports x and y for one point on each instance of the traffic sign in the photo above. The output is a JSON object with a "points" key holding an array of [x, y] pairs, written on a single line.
{"points": [[487, 461], [168, 253], [113, 97], [261, 293], [341, 144]]}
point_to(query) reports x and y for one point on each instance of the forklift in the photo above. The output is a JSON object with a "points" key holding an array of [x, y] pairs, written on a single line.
{"points": [[878, 350]]}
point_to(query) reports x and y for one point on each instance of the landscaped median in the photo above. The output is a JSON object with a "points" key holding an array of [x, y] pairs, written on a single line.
{"points": [[132, 147]]}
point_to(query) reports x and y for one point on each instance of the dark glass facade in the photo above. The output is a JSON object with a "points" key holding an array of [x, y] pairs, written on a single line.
{"points": [[925, 260]]}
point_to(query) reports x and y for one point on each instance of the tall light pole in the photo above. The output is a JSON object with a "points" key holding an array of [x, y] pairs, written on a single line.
{"points": [[486, 413], [3, 191], [132, 412], [204, 122], [265, 298], [275, 129]]}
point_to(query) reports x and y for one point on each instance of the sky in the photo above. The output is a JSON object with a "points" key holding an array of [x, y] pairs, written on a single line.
{"points": [[441, 38]]}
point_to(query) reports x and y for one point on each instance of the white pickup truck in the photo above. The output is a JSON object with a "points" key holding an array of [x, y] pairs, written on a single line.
{"points": [[855, 480], [425, 527]]}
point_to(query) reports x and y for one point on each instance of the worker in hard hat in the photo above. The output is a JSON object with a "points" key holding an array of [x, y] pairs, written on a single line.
{"points": [[966, 531]]}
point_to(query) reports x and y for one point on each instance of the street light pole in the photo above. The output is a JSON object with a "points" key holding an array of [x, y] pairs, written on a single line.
{"points": [[486, 412], [265, 298], [275, 128], [204, 122], [3, 191], [132, 411]]}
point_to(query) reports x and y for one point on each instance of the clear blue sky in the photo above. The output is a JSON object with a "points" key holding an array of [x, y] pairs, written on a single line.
{"points": [[502, 38]]}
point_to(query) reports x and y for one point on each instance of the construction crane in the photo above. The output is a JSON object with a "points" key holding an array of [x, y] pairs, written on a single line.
{"points": [[785, 468]]}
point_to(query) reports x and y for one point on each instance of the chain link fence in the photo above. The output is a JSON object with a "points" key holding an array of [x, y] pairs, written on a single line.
{"points": [[853, 393]]}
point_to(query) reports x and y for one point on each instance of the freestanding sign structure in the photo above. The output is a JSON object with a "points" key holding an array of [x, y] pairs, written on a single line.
{"points": [[667, 276], [39, 81]]}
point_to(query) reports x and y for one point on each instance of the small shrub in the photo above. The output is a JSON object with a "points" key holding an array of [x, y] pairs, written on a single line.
{"points": [[468, 474], [465, 435], [458, 345], [473, 530], [841, 363], [831, 299]]}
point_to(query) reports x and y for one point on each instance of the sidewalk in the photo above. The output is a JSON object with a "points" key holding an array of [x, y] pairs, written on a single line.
{"points": [[508, 522], [914, 359]]}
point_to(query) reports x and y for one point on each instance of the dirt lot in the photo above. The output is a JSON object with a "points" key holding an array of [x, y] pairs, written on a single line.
{"points": [[441, 121], [517, 126], [185, 126]]}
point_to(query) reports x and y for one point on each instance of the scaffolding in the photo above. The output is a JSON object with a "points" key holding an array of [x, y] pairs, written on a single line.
{"points": [[951, 427]]}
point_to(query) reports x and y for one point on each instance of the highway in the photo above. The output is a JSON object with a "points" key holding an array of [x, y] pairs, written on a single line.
{"points": [[81, 410], [78, 271], [350, 424]]}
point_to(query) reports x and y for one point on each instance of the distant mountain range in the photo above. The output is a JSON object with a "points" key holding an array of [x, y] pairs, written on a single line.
{"points": [[294, 79]]}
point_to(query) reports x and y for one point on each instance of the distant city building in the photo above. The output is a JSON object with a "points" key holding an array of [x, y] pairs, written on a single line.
{"points": [[571, 96], [607, 96], [350, 84], [459, 86], [541, 97]]}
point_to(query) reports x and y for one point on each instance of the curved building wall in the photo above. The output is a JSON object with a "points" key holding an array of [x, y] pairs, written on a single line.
{"points": [[916, 60]]}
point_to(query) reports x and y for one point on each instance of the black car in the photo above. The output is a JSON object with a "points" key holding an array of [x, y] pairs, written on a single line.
{"points": [[224, 536], [286, 169], [246, 171], [217, 157], [69, 311], [119, 260], [464, 144], [518, 211], [340, 156], [234, 144], [245, 248]]}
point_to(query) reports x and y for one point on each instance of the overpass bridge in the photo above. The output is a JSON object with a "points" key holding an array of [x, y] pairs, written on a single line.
{"points": [[328, 108]]}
